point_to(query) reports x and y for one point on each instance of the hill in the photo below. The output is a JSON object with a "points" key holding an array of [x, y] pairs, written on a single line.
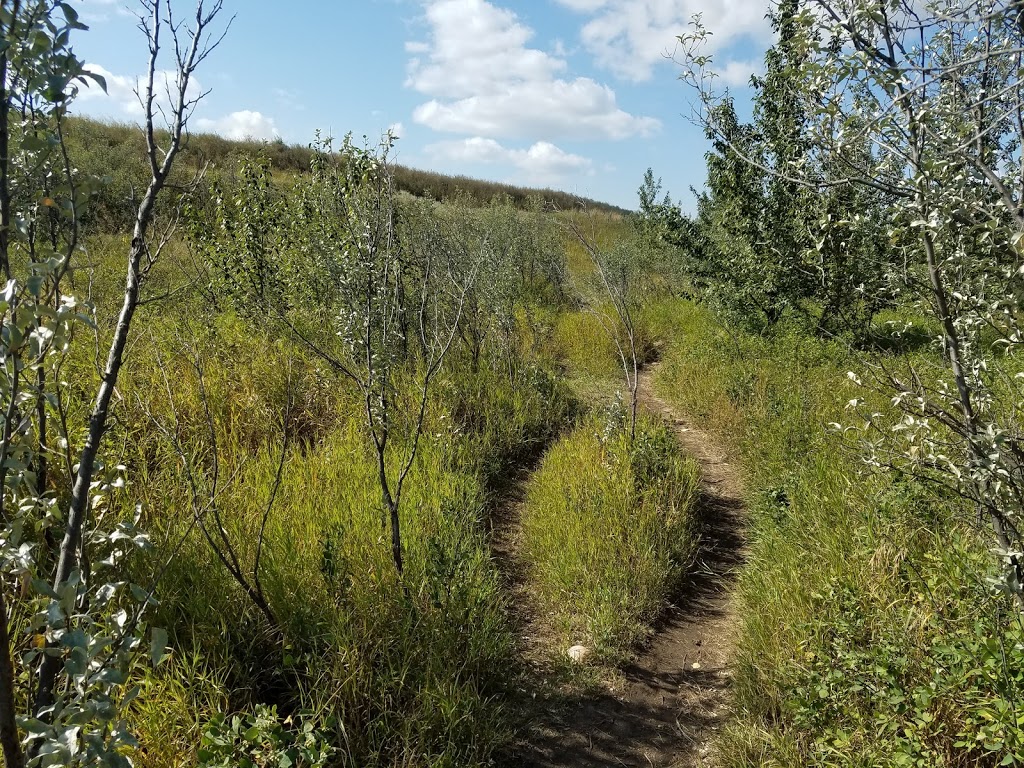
{"points": [[116, 150]]}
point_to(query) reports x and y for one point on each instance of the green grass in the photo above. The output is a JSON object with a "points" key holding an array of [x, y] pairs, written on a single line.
{"points": [[390, 670], [868, 635], [411, 671], [606, 532]]}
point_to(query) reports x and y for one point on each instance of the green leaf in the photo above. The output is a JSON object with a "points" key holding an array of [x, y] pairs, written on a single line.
{"points": [[158, 645]]}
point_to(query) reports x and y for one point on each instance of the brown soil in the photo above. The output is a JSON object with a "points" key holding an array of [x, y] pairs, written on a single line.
{"points": [[664, 707]]}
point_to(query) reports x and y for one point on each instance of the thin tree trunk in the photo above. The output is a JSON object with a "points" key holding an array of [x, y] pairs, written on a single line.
{"points": [[391, 505], [69, 554], [5, 151], [9, 737], [396, 540], [10, 740]]}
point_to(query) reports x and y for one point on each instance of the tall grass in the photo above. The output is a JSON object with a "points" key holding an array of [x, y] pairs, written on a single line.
{"points": [[868, 634], [407, 671], [606, 532]]}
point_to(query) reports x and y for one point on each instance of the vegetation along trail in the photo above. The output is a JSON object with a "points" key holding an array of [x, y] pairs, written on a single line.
{"points": [[668, 702]]}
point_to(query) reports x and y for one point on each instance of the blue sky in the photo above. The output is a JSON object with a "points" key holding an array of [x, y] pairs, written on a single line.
{"points": [[573, 94]]}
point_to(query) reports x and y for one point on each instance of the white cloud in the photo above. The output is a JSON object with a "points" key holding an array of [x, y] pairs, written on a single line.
{"points": [[630, 36], [485, 80], [120, 95], [121, 100], [541, 163], [242, 125], [476, 45], [581, 109], [739, 72]]}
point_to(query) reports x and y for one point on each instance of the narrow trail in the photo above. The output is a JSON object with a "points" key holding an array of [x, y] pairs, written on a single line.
{"points": [[667, 704]]}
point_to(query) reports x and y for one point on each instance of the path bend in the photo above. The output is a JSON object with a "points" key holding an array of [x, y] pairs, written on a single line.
{"points": [[668, 704]]}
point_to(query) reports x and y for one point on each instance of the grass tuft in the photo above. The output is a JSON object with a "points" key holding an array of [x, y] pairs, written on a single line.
{"points": [[606, 531]]}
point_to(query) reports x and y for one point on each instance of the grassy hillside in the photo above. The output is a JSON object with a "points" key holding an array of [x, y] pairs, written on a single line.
{"points": [[117, 151], [247, 455]]}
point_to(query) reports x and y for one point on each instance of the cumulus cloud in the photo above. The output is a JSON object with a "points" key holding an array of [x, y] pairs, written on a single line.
{"points": [[541, 163], [580, 109], [739, 72], [474, 46], [485, 80], [242, 125], [629, 37], [121, 100], [120, 96]]}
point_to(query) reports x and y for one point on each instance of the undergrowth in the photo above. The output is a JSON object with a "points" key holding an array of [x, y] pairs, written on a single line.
{"points": [[381, 670], [867, 636]]}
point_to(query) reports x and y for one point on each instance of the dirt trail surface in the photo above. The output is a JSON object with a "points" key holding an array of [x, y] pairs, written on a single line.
{"points": [[668, 703]]}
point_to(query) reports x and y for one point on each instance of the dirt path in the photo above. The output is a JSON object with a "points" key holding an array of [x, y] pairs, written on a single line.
{"points": [[666, 707]]}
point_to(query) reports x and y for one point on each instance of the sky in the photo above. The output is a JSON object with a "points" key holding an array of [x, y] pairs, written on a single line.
{"points": [[577, 95]]}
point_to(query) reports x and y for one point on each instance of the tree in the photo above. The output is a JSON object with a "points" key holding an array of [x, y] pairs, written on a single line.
{"points": [[517, 261], [371, 287], [661, 221], [88, 628], [729, 265], [774, 234], [929, 96], [613, 295]]}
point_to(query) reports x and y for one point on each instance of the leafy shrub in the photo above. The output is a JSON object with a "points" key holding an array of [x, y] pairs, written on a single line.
{"points": [[260, 740]]}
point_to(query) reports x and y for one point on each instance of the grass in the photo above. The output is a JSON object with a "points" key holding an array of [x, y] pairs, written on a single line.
{"points": [[606, 532], [868, 634], [390, 671]]}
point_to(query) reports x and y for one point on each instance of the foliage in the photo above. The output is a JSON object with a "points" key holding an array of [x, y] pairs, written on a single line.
{"points": [[660, 220], [260, 740], [70, 623], [612, 290], [778, 228], [376, 293], [867, 634]]}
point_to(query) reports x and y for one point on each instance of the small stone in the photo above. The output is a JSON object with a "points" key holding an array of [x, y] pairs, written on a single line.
{"points": [[696, 665], [578, 653]]}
